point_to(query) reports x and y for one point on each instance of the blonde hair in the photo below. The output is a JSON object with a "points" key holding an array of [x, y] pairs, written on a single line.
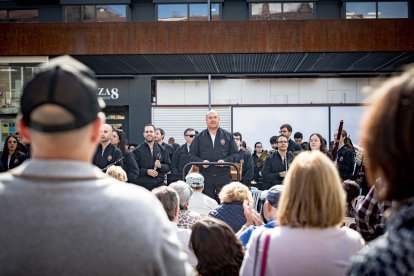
{"points": [[118, 173], [235, 192], [313, 195]]}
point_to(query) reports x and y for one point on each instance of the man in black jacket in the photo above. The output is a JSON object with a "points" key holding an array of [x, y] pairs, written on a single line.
{"points": [[181, 155], [106, 153], [159, 138], [213, 144], [153, 160], [245, 158], [276, 165]]}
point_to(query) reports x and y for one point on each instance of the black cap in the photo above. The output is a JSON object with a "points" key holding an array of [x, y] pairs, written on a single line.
{"points": [[67, 83], [273, 195]]}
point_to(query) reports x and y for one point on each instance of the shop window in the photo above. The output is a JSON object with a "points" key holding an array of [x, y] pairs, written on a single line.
{"points": [[281, 11], [373, 10], [96, 13], [187, 12], [12, 79], [19, 16]]}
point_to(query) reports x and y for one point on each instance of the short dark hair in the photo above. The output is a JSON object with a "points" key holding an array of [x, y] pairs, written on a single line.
{"points": [[255, 144], [298, 135], [168, 198], [289, 127], [161, 131], [238, 134], [273, 140], [150, 125], [187, 130], [214, 256]]}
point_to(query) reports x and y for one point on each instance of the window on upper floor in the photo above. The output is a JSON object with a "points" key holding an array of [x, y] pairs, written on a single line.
{"points": [[281, 11], [96, 13], [373, 10], [19, 16], [187, 12]]}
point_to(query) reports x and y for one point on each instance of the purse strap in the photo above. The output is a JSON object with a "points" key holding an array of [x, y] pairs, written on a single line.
{"points": [[264, 255]]}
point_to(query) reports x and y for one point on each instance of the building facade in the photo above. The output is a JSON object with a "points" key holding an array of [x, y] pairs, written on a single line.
{"points": [[153, 58]]}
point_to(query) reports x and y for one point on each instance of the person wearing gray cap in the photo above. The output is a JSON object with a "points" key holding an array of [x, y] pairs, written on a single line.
{"points": [[199, 202], [253, 218], [60, 214]]}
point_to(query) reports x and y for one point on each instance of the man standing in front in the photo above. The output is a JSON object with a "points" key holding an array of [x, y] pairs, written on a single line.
{"points": [[276, 165], [106, 154], [153, 160], [213, 144], [62, 215]]}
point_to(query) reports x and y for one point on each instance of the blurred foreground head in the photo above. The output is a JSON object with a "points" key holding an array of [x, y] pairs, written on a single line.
{"points": [[388, 135]]}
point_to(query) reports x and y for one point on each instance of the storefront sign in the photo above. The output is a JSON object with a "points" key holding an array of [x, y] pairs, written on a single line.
{"points": [[108, 93]]}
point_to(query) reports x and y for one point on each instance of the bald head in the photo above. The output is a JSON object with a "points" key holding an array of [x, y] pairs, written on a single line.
{"points": [[212, 120], [105, 133]]}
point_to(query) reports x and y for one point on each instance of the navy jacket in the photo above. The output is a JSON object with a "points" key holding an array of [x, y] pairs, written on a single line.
{"points": [[130, 166], [14, 161], [180, 158], [225, 148], [231, 213], [110, 156], [244, 157], [345, 162], [146, 160], [273, 165]]}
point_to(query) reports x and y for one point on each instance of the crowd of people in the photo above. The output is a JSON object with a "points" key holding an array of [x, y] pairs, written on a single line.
{"points": [[78, 200]]}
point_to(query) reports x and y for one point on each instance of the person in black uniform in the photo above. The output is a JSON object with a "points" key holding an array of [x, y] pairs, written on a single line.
{"points": [[345, 159], [181, 155], [213, 144], [277, 165], [11, 156], [152, 159], [286, 130], [159, 138], [245, 158], [107, 154], [129, 165]]}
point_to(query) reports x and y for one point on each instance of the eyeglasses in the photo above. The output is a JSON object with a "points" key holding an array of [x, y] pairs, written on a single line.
{"points": [[12, 142], [191, 135], [259, 146], [282, 142]]}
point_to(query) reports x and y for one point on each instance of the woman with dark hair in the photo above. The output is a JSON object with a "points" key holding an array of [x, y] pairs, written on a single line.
{"points": [[216, 247], [259, 156], [130, 166], [317, 142], [11, 156]]}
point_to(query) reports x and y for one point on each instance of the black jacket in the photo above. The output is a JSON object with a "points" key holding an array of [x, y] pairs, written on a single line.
{"points": [[180, 158], [14, 161], [293, 147], [169, 149], [225, 148], [130, 166], [273, 165], [244, 157], [146, 160], [110, 156], [345, 162]]}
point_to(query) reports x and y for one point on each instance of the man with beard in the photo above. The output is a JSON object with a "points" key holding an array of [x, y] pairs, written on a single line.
{"points": [[106, 153], [153, 160], [213, 144], [159, 138]]}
